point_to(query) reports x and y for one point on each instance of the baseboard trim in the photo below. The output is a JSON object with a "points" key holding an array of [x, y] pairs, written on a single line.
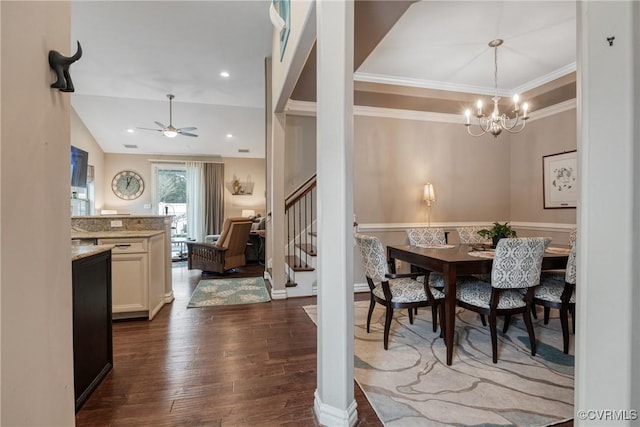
{"points": [[331, 416], [168, 297], [278, 294]]}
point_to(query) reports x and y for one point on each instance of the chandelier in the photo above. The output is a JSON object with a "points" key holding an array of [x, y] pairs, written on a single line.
{"points": [[496, 122]]}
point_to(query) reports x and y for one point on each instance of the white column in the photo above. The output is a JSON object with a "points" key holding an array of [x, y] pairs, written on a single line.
{"points": [[334, 397], [607, 327], [276, 226]]}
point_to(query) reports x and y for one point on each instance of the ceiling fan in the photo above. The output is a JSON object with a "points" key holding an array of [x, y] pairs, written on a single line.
{"points": [[170, 131]]}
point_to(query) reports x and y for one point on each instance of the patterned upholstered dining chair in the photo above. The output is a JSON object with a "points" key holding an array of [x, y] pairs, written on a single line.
{"points": [[514, 276], [394, 290], [469, 235], [553, 294], [428, 236]]}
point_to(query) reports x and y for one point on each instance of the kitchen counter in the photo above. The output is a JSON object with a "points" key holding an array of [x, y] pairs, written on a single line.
{"points": [[114, 234], [79, 252]]}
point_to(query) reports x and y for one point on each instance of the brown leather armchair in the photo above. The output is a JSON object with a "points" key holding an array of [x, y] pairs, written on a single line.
{"points": [[227, 253]]}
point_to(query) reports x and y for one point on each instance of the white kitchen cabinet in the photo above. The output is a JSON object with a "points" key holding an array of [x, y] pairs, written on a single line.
{"points": [[138, 275]]}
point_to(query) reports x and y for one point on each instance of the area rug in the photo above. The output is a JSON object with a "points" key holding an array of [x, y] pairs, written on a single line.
{"points": [[246, 290], [411, 385]]}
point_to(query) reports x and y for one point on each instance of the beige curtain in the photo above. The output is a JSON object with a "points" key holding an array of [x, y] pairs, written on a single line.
{"points": [[213, 197]]}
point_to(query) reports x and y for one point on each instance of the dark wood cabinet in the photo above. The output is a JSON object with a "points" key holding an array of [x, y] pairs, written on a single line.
{"points": [[92, 342]]}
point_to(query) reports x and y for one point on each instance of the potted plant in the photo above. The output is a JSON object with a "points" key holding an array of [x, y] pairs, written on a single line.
{"points": [[497, 232]]}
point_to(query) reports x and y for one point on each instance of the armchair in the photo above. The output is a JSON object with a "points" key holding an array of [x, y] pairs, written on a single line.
{"points": [[226, 253]]}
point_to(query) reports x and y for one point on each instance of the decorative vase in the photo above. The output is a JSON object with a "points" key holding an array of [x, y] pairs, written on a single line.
{"points": [[236, 187], [496, 239]]}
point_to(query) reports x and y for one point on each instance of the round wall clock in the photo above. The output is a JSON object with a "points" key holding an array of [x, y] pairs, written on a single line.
{"points": [[127, 185]]}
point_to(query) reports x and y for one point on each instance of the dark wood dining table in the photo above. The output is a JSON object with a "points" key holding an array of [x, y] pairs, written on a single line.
{"points": [[453, 262]]}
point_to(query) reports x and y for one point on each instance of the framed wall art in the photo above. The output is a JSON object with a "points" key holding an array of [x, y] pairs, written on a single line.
{"points": [[560, 180]]}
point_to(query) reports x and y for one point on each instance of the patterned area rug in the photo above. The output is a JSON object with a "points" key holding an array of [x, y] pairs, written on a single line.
{"points": [[411, 385], [246, 290]]}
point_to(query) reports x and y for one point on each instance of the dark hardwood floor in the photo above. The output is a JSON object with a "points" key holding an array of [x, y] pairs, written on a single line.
{"points": [[243, 365]]}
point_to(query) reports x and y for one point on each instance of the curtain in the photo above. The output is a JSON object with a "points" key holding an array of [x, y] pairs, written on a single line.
{"points": [[195, 201], [213, 197]]}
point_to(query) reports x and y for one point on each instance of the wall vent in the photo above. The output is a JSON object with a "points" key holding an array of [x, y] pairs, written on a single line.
{"points": [[243, 150], [130, 146]]}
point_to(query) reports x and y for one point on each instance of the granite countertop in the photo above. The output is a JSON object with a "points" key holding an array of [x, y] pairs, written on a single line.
{"points": [[114, 234], [83, 251]]}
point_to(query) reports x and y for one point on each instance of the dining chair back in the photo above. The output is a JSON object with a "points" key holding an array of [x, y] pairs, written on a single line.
{"points": [[393, 290], [515, 273], [426, 236], [469, 235]]}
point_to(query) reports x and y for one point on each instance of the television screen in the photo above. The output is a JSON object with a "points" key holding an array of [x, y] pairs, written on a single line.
{"points": [[79, 163]]}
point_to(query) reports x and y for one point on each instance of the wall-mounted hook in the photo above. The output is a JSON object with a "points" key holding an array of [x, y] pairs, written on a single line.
{"points": [[610, 40]]}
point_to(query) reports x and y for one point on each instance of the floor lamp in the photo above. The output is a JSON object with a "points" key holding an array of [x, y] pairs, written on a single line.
{"points": [[429, 196]]}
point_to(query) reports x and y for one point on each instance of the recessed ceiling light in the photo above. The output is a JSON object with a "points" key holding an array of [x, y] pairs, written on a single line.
{"points": [[130, 130], [224, 74], [229, 135]]}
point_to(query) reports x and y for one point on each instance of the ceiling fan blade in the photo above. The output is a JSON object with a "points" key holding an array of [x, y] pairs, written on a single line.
{"points": [[157, 130], [187, 129], [160, 124], [187, 134]]}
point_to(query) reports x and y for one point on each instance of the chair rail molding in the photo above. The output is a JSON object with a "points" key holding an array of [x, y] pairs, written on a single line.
{"points": [[401, 226]]}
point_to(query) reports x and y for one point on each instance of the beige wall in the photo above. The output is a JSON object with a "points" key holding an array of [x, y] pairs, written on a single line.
{"points": [[550, 135], [82, 138], [35, 259], [300, 151], [242, 168], [394, 158]]}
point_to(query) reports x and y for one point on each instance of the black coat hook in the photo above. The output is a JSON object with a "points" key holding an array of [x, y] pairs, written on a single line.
{"points": [[60, 65]]}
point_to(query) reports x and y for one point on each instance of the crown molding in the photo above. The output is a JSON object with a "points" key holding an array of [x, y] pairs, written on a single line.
{"points": [[305, 108], [456, 87], [554, 75]]}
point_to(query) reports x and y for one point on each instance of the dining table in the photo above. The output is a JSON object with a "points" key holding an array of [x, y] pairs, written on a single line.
{"points": [[460, 260]]}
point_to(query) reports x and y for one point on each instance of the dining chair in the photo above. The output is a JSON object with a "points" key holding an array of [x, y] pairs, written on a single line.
{"points": [[428, 236], [514, 275], [469, 235], [553, 294], [394, 290], [573, 233]]}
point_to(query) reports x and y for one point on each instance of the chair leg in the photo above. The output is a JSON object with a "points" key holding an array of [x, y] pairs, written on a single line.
{"points": [[547, 310], [371, 307], [507, 320], [387, 326], [442, 331], [483, 320], [534, 312], [494, 336], [434, 315], [564, 321], [573, 318], [411, 316], [532, 335]]}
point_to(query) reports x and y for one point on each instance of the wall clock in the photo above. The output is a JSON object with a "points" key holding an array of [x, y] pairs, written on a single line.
{"points": [[127, 185]]}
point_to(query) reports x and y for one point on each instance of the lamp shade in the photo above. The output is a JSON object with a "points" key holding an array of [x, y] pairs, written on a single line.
{"points": [[248, 213], [429, 193]]}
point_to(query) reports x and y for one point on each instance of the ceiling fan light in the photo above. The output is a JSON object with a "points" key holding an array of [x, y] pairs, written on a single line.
{"points": [[170, 133]]}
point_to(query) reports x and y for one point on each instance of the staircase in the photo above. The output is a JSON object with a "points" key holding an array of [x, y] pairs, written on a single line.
{"points": [[301, 250]]}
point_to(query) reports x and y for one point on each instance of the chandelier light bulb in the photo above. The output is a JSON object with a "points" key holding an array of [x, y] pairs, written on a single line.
{"points": [[516, 99], [467, 113]]}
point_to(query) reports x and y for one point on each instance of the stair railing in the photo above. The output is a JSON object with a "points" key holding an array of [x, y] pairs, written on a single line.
{"points": [[300, 219]]}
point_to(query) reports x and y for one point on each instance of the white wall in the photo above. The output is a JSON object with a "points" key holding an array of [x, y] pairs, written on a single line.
{"points": [[35, 259], [607, 333]]}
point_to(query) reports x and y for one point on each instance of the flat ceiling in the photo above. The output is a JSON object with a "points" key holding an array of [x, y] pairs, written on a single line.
{"points": [[136, 52]]}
